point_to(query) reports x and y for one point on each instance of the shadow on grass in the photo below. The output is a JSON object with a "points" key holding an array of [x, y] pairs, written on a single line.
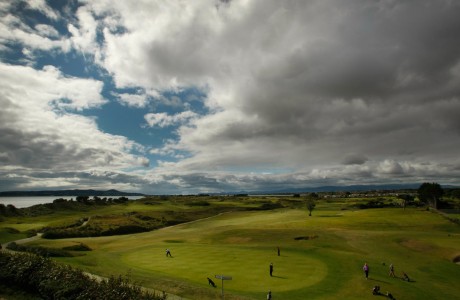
{"points": [[372, 279]]}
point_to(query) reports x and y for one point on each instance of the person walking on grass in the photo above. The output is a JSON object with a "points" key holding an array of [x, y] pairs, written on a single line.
{"points": [[269, 295], [392, 271], [406, 277], [271, 269], [168, 253], [366, 270]]}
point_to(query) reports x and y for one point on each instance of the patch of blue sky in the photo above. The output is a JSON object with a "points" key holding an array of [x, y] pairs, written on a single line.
{"points": [[27, 15], [13, 54], [32, 17], [117, 119], [72, 63], [120, 119]]}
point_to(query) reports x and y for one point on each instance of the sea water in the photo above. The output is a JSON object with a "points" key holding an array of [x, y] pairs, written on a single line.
{"points": [[21, 202]]}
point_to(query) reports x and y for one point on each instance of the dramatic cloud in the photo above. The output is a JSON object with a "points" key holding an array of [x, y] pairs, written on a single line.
{"points": [[40, 132], [296, 93]]}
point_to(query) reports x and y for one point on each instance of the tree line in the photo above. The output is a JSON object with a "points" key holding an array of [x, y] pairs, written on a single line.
{"points": [[59, 203], [429, 194]]}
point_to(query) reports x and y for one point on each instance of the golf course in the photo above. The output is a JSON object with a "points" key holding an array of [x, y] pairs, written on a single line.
{"points": [[320, 256]]}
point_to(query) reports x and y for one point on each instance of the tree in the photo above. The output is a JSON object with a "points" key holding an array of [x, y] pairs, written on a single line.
{"points": [[430, 193], [82, 199], [406, 199], [310, 202], [455, 193]]}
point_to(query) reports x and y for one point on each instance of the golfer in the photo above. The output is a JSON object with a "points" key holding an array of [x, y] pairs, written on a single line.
{"points": [[392, 271], [366, 270]]}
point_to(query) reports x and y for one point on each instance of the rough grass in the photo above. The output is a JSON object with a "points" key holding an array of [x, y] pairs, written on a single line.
{"points": [[242, 244], [148, 213]]}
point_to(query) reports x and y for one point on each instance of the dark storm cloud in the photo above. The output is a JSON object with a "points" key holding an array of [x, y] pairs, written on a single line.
{"points": [[399, 55], [354, 159], [29, 179]]}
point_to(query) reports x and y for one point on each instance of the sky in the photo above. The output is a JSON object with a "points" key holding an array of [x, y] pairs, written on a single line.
{"points": [[207, 96]]}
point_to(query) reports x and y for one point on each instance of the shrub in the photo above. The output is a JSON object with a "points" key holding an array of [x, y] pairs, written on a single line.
{"points": [[269, 206], [41, 251], [49, 280], [128, 229], [79, 247], [198, 203]]}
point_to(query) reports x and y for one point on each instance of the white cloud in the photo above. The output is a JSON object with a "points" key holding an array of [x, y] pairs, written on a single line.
{"points": [[42, 6], [14, 30], [39, 89], [165, 120], [390, 167], [47, 30], [38, 132], [133, 100], [84, 34], [30, 39]]}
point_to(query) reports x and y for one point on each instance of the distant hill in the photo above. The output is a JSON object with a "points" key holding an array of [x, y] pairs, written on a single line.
{"points": [[61, 193], [346, 188], [350, 188]]}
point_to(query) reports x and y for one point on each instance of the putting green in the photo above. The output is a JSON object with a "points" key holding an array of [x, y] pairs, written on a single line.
{"points": [[249, 268]]}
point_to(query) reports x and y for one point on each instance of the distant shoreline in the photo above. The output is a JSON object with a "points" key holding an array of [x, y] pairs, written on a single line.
{"points": [[28, 201], [66, 193]]}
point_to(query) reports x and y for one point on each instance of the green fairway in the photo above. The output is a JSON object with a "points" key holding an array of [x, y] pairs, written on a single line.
{"points": [[321, 256], [195, 263]]}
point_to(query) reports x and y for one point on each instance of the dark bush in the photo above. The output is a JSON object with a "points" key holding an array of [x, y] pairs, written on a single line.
{"points": [[198, 203], [146, 218], [41, 251], [79, 247], [63, 234], [372, 204], [270, 206], [128, 229], [93, 232], [49, 280]]}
